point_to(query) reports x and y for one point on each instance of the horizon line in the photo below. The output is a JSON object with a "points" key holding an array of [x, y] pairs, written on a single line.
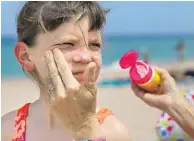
{"points": [[123, 34]]}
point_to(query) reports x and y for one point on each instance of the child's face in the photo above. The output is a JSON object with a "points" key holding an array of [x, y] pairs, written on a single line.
{"points": [[78, 44]]}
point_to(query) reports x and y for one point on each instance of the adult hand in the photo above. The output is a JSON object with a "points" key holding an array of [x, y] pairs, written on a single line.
{"points": [[166, 95]]}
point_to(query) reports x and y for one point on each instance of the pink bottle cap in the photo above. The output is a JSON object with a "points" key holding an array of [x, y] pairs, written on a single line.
{"points": [[139, 72], [128, 59]]}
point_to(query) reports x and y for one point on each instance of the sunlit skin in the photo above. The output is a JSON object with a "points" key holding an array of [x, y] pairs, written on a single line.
{"points": [[78, 53]]}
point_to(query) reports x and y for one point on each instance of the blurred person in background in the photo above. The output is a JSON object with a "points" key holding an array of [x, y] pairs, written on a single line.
{"points": [[180, 48]]}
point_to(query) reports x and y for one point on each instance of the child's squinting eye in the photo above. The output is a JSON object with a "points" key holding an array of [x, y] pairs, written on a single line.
{"points": [[95, 46], [65, 44]]}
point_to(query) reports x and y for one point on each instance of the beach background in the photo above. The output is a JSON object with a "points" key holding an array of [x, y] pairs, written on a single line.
{"points": [[140, 119]]}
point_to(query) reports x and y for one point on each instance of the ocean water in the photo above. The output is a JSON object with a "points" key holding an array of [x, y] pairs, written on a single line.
{"points": [[161, 49]]}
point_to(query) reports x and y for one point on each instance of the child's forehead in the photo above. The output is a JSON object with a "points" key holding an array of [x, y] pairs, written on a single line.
{"points": [[70, 32], [73, 26], [75, 29]]}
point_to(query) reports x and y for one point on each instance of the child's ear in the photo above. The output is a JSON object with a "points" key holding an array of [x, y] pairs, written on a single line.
{"points": [[21, 53]]}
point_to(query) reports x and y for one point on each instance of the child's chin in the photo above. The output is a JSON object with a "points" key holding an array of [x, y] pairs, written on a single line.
{"points": [[79, 78]]}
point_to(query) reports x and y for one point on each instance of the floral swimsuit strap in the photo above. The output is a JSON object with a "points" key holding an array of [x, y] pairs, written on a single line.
{"points": [[22, 113], [20, 123]]}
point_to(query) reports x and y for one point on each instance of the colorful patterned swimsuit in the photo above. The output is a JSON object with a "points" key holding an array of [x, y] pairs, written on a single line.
{"points": [[168, 130]]}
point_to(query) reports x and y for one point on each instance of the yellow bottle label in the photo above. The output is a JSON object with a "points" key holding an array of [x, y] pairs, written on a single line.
{"points": [[153, 83]]}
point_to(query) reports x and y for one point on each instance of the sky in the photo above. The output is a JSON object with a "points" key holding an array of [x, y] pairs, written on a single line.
{"points": [[130, 18]]}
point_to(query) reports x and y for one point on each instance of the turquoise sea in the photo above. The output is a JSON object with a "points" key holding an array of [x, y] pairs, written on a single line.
{"points": [[161, 49]]}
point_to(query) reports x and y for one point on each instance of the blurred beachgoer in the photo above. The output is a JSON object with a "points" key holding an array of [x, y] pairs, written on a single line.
{"points": [[146, 55], [180, 48]]}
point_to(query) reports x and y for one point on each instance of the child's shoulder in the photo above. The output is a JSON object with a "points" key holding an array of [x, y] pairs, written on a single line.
{"points": [[7, 121], [7, 125]]}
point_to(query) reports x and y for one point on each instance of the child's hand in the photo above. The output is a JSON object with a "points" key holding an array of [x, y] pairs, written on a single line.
{"points": [[74, 104]]}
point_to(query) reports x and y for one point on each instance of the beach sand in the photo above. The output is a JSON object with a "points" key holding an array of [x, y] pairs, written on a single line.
{"points": [[139, 118]]}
